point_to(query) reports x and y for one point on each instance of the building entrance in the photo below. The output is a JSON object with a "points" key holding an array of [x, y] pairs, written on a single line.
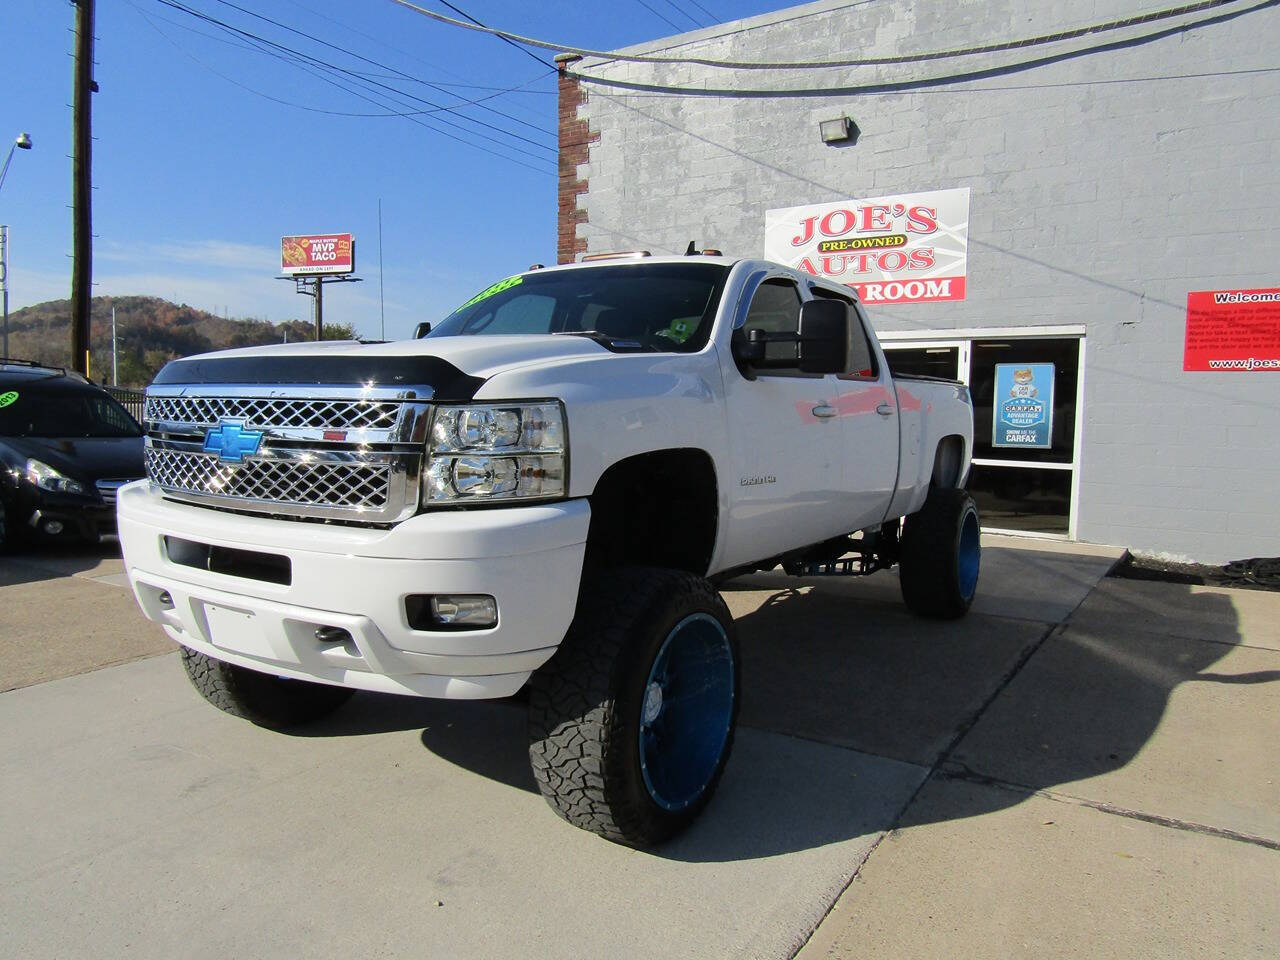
{"points": [[1026, 391]]}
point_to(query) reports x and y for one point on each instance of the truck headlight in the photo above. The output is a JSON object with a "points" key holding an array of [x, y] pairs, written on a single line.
{"points": [[499, 451], [47, 478]]}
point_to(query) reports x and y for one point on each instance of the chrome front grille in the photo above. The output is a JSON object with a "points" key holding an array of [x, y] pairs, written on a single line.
{"points": [[360, 487], [336, 453], [257, 412]]}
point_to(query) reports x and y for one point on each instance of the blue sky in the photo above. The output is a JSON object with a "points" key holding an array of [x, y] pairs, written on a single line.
{"points": [[198, 174]]}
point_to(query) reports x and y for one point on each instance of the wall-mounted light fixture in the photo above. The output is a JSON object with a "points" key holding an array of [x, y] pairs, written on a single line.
{"points": [[839, 130]]}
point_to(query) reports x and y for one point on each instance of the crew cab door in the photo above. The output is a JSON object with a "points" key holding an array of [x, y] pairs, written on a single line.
{"points": [[868, 409], [785, 437]]}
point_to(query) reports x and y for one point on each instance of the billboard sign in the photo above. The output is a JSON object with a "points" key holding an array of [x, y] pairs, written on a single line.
{"points": [[1023, 409], [1233, 330], [905, 248], [318, 253]]}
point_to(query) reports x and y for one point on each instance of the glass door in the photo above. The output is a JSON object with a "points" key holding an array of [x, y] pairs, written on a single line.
{"points": [[1025, 392], [948, 359], [1024, 432]]}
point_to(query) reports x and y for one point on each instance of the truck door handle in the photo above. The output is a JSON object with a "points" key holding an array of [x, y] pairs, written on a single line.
{"points": [[824, 410], [885, 410]]}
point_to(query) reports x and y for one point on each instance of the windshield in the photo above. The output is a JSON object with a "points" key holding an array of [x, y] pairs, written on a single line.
{"points": [[36, 412], [647, 306]]}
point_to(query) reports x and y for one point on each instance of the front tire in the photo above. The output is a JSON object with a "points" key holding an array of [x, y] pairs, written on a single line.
{"points": [[941, 554], [260, 698], [632, 721]]}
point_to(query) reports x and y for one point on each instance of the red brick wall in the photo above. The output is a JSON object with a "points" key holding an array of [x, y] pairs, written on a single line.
{"points": [[575, 146]]}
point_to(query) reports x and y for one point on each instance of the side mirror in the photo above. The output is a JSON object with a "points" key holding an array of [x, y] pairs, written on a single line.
{"points": [[824, 336], [422, 329]]}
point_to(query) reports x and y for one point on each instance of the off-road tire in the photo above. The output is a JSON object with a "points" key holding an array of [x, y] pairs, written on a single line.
{"points": [[260, 698], [586, 703], [937, 543]]}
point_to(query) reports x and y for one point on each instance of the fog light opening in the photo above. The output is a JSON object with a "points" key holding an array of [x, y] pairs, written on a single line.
{"points": [[451, 611], [165, 600]]}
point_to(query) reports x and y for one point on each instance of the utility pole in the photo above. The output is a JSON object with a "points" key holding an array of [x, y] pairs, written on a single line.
{"points": [[382, 303], [82, 187], [318, 313], [4, 284], [115, 369]]}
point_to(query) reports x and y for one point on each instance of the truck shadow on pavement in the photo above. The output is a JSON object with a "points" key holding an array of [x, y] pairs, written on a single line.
{"points": [[850, 703], [30, 563]]}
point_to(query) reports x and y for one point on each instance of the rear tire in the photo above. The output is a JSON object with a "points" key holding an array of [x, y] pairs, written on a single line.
{"points": [[263, 699], [941, 555], [632, 721]]}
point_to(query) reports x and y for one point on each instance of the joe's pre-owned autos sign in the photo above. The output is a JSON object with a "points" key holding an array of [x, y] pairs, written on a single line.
{"points": [[898, 249], [318, 253]]}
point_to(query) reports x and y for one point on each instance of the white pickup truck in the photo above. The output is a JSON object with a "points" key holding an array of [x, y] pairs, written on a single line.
{"points": [[541, 491]]}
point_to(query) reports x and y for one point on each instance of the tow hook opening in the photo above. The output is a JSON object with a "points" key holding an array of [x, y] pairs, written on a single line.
{"points": [[339, 637]]}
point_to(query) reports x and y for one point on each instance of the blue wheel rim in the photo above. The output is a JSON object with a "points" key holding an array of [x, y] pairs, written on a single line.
{"points": [[686, 710], [968, 555]]}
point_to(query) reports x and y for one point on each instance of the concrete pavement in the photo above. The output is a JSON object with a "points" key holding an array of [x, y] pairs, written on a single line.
{"points": [[1119, 797], [1076, 768]]}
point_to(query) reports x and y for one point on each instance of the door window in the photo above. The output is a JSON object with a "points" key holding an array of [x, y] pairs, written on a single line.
{"points": [[1016, 356], [924, 361], [775, 309], [1022, 498]]}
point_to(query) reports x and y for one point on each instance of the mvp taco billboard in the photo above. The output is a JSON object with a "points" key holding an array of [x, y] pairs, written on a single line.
{"points": [[907, 248], [318, 253]]}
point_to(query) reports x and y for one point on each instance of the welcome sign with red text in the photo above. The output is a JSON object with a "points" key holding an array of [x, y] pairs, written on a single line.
{"points": [[1233, 331], [906, 248]]}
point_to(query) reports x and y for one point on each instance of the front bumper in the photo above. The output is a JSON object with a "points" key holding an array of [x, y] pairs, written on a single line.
{"points": [[76, 519], [356, 580]]}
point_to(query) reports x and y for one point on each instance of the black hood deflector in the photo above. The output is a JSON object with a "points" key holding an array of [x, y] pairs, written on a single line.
{"points": [[445, 380]]}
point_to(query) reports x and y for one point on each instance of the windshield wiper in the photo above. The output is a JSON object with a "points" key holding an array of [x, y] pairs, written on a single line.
{"points": [[606, 341]]}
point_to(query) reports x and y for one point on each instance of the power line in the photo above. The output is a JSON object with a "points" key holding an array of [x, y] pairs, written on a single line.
{"points": [[713, 17], [918, 84], [680, 92], [1108, 26], [242, 45], [234, 82], [383, 66], [435, 66], [684, 13], [313, 66], [463, 13], [325, 65], [663, 17]]}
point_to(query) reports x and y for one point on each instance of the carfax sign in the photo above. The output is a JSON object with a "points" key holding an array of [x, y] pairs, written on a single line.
{"points": [[1023, 406], [907, 248], [320, 253]]}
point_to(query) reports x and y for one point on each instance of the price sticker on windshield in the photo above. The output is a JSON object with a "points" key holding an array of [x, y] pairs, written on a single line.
{"points": [[8, 398], [498, 287]]}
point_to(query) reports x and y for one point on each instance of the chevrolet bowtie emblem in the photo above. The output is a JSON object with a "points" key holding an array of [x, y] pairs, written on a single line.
{"points": [[231, 441]]}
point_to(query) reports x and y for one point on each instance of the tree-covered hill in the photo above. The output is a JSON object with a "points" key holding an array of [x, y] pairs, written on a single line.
{"points": [[149, 333]]}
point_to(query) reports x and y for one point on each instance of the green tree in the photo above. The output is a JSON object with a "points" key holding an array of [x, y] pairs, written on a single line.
{"points": [[339, 331]]}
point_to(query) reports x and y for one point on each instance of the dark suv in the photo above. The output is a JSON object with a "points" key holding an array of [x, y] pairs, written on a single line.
{"points": [[65, 447]]}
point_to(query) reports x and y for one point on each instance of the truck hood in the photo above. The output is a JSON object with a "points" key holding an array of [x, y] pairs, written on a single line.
{"points": [[452, 367]]}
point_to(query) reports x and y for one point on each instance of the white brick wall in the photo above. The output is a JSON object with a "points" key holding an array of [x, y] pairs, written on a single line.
{"points": [[1100, 204]]}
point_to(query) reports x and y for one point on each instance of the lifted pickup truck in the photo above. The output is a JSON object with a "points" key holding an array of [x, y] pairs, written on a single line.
{"points": [[541, 491]]}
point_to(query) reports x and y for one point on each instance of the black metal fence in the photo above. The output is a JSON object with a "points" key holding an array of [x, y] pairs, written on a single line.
{"points": [[130, 399]]}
